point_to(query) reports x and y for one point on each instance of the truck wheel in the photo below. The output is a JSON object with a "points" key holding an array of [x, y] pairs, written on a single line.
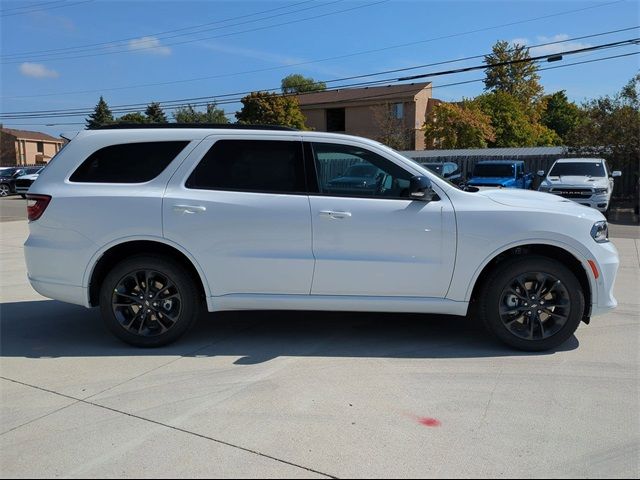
{"points": [[149, 301], [531, 303]]}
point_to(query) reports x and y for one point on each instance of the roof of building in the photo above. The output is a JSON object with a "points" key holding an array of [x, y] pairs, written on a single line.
{"points": [[29, 135], [488, 152], [361, 94]]}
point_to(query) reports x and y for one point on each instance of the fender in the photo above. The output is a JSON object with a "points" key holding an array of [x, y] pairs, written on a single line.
{"points": [[150, 238]]}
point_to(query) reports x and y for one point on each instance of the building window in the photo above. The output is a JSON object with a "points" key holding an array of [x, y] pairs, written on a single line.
{"points": [[40, 147], [335, 120], [398, 110]]}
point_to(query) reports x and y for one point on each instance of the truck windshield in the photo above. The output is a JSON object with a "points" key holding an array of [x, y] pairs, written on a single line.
{"points": [[493, 170], [589, 169]]}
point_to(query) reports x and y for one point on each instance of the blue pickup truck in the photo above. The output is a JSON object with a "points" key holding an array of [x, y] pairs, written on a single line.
{"points": [[500, 174]]}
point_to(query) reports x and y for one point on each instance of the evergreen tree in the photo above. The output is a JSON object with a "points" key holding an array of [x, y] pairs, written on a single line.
{"points": [[155, 114], [101, 115]]}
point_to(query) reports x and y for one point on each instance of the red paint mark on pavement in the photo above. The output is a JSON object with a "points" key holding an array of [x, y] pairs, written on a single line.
{"points": [[429, 422]]}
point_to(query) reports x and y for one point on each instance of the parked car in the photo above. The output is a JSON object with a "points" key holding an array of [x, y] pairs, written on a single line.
{"points": [[23, 182], [583, 180], [448, 170], [8, 178], [500, 174], [154, 224]]}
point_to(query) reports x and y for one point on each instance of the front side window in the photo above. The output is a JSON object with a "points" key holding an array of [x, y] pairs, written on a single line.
{"points": [[127, 163], [251, 165], [354, 171]]}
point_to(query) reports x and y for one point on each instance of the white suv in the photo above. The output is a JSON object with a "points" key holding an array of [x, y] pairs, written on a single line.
{"points": [[583, 180], [153, 224]]}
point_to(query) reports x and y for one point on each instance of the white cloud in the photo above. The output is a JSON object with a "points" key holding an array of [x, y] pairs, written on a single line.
{"points": [[550, 49], [37, 70], [149, 45]]}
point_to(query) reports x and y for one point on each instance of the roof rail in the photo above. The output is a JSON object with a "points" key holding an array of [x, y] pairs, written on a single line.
{"points": [[227, 126]]}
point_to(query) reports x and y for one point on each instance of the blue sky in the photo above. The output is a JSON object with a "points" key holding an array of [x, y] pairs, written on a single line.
{"points": [[288, 42]]}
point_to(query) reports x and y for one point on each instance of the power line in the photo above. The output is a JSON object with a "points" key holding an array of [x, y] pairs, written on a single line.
{"points": [[382, 95], [610, 32], [64, 5], [128, 50], [127, 109], [237, 95], [158, 35]]}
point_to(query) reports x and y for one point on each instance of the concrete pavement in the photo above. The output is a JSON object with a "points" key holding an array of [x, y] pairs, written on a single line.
{"points": [[298, 394]]}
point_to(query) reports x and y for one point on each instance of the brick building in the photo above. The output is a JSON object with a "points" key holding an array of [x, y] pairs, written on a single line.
{"points": [[23, 147]]}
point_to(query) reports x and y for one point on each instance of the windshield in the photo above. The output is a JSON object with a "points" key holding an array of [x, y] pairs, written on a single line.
{"points": [[361, 171], [434, 167], [589, 169], [493, 170], [10, 172]]}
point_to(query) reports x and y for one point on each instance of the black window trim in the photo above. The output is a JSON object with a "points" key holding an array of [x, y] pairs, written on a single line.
{"points": [[318, 193], [187, 142], [184, 181]]}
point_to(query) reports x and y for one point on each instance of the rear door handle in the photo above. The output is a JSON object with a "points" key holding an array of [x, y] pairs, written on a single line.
{"points": [[190, 209], [334, 214]]}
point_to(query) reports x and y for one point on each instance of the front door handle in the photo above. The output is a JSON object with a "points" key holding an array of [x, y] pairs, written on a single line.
{"points": [[190, 209], [334, 214]]}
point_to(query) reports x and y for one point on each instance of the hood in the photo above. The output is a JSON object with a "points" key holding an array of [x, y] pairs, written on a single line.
{"points": [[541, 201], [576, 181], [493, 181]]}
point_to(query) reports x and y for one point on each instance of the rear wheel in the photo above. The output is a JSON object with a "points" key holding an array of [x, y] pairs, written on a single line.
{"points": [[532, 303], [148, 301]]}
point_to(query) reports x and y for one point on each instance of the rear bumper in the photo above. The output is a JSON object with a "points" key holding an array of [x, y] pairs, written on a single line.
{"points": [[64, 293]]}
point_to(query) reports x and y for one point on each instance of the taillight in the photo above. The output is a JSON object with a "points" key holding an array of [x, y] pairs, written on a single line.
{"points": [[36, 205]]}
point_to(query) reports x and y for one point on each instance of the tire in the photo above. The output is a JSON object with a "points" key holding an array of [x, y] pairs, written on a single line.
{"points": [[171, 302], [23, 195], [5, 190], [531, 322]]}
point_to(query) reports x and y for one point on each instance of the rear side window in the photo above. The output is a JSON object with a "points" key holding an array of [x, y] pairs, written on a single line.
{"points": [[128, 163], [251, 165]]}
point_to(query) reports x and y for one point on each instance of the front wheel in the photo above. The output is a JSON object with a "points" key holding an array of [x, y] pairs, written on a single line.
{"points": [[149, 301], [532, 303], [5, 190]]}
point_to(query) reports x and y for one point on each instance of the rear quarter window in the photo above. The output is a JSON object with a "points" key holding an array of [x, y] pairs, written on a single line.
{"points": [[128, 163]]}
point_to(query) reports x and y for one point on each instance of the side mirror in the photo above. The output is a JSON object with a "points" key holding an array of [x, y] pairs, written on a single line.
{"points": [[616, 173], [540, 173], [420, 188]]}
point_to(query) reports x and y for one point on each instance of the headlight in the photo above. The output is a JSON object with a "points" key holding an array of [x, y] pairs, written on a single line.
{"points": [[600, 191], [600, 232]]}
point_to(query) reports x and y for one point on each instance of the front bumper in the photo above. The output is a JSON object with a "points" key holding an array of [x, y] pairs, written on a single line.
{"points": [[607, 263]]}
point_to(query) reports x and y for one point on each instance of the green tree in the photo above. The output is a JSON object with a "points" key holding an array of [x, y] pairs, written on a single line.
{"points": [[519, 79], [464, 125], [512, 124], [267, 108], [296, 83], [188, 114], [559, 114], [101, 115], [134, 117], [610, 128], [155, 114]]}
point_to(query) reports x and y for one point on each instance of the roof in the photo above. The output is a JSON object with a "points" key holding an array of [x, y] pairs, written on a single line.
{"points": [[216, 126], [372, 94], [488, 152], [29, 135]]}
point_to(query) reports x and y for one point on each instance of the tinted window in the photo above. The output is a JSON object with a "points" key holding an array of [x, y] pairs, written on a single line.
{"points": [[592, 169], [251, 165], [354, 171], [128, 163], [493, 170]]}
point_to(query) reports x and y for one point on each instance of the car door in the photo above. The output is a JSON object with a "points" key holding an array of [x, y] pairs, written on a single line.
{"points": [[239, 206], [377, 242]]}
